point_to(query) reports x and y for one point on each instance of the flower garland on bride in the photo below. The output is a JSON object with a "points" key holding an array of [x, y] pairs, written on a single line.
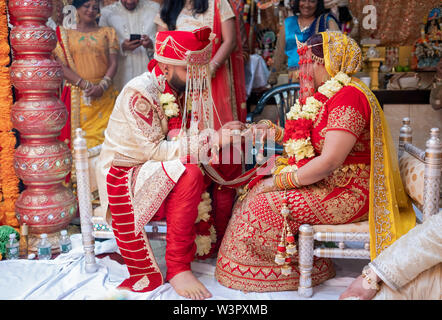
{"points": [[300, 120]]}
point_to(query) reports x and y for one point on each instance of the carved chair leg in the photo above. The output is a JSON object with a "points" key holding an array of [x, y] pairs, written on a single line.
{"points": [[432, 176], [305, 260], [84, 201]]}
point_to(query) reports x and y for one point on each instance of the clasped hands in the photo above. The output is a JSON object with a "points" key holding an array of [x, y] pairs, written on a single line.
{"points": [[233, 129]]}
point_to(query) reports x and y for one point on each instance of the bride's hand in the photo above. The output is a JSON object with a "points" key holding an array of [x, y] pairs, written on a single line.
{"points": [[227, 131], [234, 125], [266, 185], [259, 132]]}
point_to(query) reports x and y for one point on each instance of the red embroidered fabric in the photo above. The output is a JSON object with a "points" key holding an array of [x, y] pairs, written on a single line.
{"points": [[246, 256], [144, 272], [347, 110]]}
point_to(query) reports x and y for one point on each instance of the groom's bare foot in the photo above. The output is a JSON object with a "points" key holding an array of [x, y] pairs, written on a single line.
{"points": [[188, 286]]}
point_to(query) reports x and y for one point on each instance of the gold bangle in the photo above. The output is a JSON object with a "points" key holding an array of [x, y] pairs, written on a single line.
{"points": [[283, 181], [372, 284], [296, 180], [107, 79], [267, 122], [290, 182], [277, 181], [279, 134], [104, 85]]}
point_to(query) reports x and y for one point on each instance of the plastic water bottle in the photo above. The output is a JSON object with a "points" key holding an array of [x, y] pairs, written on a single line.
{"points": [[44, 248], [12, 248], [65, 242]]}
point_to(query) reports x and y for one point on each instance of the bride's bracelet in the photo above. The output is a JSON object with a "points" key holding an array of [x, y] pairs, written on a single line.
{"points": [[279, 132], [286, 180]]}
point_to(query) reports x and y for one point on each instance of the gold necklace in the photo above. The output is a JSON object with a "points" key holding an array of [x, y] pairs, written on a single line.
{"points": [[304, 26]]}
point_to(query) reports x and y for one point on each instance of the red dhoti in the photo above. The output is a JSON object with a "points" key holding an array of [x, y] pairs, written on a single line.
{"points": [[180, 209]]}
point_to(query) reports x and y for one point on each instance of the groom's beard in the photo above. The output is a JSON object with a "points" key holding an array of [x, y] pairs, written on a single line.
{"points": [[178, 85]]}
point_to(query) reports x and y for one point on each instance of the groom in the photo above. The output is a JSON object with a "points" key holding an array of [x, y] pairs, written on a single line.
{"points": [[143, 176]]}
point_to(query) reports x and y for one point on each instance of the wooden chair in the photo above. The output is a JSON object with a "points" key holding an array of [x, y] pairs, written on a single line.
{"points": [[428, 200], [94, 222]]}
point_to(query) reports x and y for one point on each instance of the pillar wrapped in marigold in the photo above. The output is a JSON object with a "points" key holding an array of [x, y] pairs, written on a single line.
{"points": [[8, 179]]}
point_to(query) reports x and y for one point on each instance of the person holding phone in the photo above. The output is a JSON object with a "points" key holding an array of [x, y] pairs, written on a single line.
{"points": [[133, 22]]}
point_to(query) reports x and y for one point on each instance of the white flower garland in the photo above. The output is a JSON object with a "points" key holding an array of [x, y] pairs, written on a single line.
{"points": [[303, 148], [204, 243], [168, 103]]}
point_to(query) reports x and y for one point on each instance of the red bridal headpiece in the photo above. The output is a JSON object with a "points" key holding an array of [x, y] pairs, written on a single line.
{"points": [[306, 61]]}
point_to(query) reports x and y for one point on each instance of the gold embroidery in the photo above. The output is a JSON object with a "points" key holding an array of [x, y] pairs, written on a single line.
{"points": [[149, 198], [141, 284], [348, 118], [146, 117], [320, 116]]}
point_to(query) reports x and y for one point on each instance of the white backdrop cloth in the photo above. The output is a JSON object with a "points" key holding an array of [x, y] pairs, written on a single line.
{"points": [[65, 278]]}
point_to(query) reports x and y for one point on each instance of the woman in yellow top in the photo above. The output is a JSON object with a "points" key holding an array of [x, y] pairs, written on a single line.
{"points": [[88, 54]]}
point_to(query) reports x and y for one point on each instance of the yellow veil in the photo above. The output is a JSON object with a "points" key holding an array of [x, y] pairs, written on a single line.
{"points": [[391, 214]]}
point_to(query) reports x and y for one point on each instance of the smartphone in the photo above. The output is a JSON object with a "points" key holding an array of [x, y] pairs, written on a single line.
{"points": [[135, 37]]}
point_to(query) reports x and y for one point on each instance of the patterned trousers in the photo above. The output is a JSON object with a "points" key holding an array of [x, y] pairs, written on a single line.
{"points": [[180, 210]]}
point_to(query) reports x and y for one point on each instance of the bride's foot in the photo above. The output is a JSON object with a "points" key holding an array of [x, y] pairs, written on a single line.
{"points": [[188, 286]]}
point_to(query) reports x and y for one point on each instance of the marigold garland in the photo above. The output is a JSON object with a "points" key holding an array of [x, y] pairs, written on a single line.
{"points": [[297, 143], [8, 180]]}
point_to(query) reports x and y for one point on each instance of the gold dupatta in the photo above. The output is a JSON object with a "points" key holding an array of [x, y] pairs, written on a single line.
{"points": [[391, 214]]}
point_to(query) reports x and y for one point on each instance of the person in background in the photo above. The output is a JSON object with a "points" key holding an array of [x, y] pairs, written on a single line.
{"points": [[410, 269], [89, 57], [309, 18], [349, 24], [132, 17], [227, 64]]}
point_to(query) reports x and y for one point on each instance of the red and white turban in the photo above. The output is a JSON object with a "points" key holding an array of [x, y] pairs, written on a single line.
{"points": [[184, 47], [192, 49]]}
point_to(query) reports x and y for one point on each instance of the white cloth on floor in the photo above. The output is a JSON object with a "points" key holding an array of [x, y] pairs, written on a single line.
{"points": [[65, 278]]}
